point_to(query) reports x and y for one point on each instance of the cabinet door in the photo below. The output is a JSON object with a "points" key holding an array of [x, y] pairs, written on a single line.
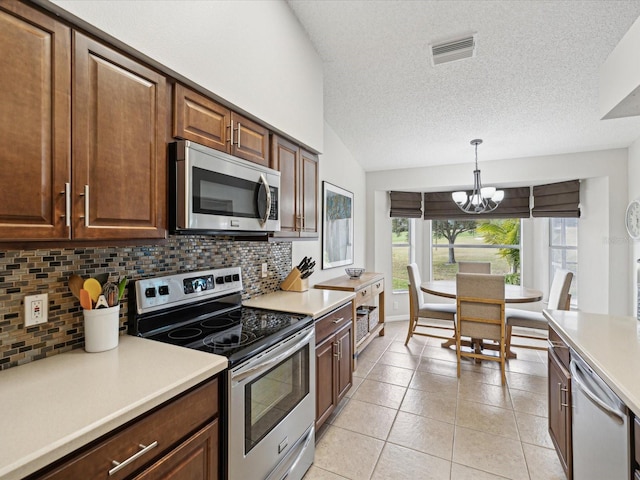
{"points": [[197, 118], [344, 340], [119, 149], [309, 194], [560, 411], [194, 459], [35, 124], [325, 379], [285, 160], [250, 140]]}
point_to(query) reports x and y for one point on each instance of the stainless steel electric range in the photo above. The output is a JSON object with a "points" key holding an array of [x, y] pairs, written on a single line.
{"points": [[268, 409]]}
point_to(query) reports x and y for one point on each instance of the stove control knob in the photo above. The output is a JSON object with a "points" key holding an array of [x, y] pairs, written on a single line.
{"points": [[219, 280], [236, 277], [150, 292], [163, 289], [227, 278]]}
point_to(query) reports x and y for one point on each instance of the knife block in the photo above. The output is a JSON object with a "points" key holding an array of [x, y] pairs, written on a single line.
{"points": [[293, 282]]}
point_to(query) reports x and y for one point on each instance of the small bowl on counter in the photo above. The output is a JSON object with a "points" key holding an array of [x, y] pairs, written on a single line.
{"points": [[354, 272]]}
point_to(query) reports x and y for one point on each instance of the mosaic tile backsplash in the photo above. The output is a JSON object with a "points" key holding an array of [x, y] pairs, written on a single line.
{"points": [[28, 272]]}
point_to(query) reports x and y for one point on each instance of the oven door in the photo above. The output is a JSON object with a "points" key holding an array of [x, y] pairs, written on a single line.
{"points": [[224, 193], [272, 409]]}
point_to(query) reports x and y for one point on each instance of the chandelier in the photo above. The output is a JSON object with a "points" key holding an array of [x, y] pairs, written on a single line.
{"points": [[482, 199]]}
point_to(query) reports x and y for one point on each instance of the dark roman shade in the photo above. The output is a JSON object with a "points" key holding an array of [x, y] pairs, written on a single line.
{"points": [[406, 204], [557, 200], [440, 206]]}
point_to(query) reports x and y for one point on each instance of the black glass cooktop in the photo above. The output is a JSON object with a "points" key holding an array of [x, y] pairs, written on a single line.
{"points": [[237, 334]]}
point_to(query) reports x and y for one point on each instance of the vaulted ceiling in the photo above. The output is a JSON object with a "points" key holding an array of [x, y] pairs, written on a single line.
{"points": [[530, 90]]}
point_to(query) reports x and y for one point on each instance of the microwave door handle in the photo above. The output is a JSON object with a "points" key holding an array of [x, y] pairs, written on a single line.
{"points": [[264, 185]]}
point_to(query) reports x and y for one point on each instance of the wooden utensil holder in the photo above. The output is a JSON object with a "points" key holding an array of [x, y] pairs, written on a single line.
{"points": [[293, 282]]}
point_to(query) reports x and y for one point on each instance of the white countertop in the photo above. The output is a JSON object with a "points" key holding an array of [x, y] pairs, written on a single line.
{"points": [[51, 407], [610, 344], [314, 302]]}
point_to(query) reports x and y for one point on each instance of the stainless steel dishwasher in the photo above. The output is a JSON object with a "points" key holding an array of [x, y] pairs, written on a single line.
{"points": [[601, 427]]}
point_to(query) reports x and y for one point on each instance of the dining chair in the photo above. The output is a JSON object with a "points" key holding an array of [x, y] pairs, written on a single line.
{"points": [[419, 309], [559, 299], [480, 316], [474, 267]]}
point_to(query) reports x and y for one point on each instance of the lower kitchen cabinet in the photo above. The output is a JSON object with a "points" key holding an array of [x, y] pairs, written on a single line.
{"points": [[178, 440], [195, 458], [334, 360], [560, 400]]}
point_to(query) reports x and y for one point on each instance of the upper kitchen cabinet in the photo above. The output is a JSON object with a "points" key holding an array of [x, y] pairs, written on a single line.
{"points": [[204, 121], [35, 124], [119, 148], [298, 189]]}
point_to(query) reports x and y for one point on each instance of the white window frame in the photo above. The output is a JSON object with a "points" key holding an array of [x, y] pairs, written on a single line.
{"points": [[411, 244], [562, 247]]}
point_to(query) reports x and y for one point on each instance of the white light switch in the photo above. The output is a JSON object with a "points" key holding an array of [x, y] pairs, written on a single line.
{"points": [[264, 270], [36, 309]]}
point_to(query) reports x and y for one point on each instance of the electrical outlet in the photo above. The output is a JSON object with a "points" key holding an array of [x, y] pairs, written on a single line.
{"points": [[395, 305], [264, 270], [36, 309]]}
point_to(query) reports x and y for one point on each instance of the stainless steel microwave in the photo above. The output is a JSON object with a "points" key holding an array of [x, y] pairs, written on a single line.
{"points": [[213, 192]]}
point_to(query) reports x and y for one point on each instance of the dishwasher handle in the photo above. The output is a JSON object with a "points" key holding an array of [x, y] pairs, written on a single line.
{"points": [[578, 377]]}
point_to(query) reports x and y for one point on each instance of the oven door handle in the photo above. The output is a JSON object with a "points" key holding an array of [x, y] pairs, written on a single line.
{"points": [[242, 374]]}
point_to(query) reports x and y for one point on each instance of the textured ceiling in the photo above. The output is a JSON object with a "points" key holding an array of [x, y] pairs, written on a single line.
{"points": [[531, 89]]}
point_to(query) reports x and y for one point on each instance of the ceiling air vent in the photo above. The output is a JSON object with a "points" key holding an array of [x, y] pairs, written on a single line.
{"points": [[453, 50]]}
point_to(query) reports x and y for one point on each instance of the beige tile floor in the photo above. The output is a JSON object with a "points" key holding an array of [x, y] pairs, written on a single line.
{"points": [[409, 416]]}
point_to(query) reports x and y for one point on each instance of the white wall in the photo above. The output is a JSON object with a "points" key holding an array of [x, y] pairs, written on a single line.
{"points": [[253, 54], [338, 167], [604, 263]]}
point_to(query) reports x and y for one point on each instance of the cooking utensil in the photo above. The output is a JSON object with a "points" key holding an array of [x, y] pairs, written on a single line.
{"points": [[93, 287], [75, 285], [85, 299], [102, 278], [110, 292], [102, 302], [121, 285]]}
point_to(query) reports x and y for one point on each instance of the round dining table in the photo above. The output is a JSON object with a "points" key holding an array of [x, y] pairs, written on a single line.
{"points": [[512, 293]]}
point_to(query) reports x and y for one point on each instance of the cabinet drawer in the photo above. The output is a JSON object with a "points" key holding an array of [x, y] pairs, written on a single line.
{"points": [[166, 426], [560, 348], [331, 322], [377, 287], [363, 296]]}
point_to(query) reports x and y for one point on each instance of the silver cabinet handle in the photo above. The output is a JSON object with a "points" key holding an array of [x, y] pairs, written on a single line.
{"points": [[231, 133], [120, 465], [85, 194], [335, 349], [338, 320], [566, 391], [67, 204], [239, 126], [556, 344]]}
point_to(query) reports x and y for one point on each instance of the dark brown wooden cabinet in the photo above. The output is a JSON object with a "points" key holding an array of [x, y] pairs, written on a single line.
{"points": [[298, 189], [84, 131], [201, 120], [179, 440], [560, 400], [119, 151], [334, 360], [35, 124]]}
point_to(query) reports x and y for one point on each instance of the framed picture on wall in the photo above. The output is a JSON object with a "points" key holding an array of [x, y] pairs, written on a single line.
{"points": [[337, 226]]}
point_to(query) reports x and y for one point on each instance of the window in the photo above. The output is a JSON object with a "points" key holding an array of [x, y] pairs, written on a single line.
{"points": [[492, 240], [563, 250], [401, 252]]}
